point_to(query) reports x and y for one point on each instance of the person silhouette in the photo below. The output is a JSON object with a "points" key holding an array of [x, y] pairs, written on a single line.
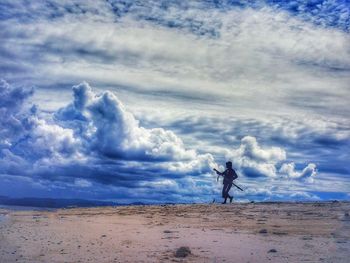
{"points": [[229, 175]]}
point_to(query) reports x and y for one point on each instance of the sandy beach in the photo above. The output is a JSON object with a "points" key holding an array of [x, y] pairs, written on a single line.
{"points": [[254, 232]]}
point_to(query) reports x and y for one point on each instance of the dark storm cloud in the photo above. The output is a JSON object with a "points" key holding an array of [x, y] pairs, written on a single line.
{"points": [[92, 138]]}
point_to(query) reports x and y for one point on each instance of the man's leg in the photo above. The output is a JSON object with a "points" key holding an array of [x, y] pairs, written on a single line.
{"points": [[228, 189], [224, 193]]}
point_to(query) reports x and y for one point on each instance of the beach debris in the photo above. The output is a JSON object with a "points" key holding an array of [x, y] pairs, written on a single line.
{"points": [[272, 250], [280, 233], [182, 252], [346, 217], [306, 238], [341, 241], [263, 231]]}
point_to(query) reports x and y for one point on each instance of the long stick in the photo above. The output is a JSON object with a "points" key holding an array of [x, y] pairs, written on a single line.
{"points": [[237, 186]]}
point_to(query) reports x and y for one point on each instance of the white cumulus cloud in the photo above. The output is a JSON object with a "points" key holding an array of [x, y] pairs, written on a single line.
{"points": [[309, 172]]}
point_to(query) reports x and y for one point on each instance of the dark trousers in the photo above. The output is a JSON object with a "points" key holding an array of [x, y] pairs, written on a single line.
{"points": [[226, 189]]}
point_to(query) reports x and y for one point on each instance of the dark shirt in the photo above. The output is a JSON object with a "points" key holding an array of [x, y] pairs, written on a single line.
{"points": [[229, 176]]}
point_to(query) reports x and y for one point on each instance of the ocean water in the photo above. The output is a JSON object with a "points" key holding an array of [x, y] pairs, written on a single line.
{"points": [[3, 218], [24, 208]]}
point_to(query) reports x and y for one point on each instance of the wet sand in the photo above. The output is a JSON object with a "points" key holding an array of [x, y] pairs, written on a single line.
{"points": [[257, 232]]}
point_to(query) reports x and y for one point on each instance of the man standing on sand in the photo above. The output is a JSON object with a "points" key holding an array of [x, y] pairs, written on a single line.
{"points": [[229, 175]]}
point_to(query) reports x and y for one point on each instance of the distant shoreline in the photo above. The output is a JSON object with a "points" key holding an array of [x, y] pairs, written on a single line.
{"points": [[7, 207], [25, 208]]}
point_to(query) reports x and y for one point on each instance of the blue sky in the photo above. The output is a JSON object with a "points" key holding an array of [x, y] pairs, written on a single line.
{"points": [[139, 100]]}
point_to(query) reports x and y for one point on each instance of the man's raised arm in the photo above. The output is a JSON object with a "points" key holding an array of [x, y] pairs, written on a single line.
{"points": [[219, 173]]}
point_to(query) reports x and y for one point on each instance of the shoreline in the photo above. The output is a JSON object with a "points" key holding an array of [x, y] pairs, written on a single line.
{"points": [[40, 208], [3, 218]]}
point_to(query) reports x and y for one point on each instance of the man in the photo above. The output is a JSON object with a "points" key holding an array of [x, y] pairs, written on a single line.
{"points": [[229, 175]]}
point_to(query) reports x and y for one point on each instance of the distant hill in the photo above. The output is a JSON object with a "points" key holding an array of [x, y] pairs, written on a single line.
{"points": [[53, 202]]}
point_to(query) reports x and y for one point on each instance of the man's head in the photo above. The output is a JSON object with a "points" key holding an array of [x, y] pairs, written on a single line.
{"points": [[229, 165]]}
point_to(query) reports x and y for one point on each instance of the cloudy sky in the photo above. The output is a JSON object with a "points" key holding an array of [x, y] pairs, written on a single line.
{"points": [[138, 100]]}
